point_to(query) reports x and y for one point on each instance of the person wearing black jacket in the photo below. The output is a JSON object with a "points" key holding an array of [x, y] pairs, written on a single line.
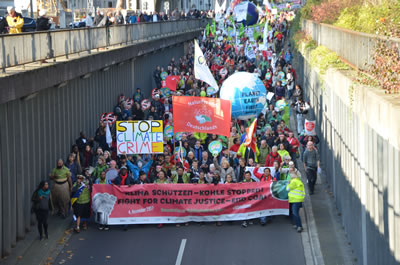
{"points": [[42, 22], [157, 77], [123, 177], [3, 25], [42, 204], [142, 178]]}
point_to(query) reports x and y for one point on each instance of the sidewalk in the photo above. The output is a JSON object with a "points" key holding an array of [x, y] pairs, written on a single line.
{"points": [[325, 233], [31, 251]]}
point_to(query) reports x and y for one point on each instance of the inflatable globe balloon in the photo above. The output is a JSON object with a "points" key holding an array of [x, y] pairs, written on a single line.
{"points": [[247, 93], [246, 13]]}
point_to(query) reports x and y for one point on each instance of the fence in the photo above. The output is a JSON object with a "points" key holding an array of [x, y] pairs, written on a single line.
{"points": [[355, 47], [20, 49]]}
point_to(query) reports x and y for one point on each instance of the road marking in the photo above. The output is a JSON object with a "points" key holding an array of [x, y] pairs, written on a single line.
{"points": [[180, 253]]}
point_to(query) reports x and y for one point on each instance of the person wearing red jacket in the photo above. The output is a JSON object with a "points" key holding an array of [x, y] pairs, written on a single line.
{"points": [[294, 146], [262, 177], [273, 156]]}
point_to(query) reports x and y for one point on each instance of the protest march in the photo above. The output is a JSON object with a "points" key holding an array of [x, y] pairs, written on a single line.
{"points": [[221, 138]]}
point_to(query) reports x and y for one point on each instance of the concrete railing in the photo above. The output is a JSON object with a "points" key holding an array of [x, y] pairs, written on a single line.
{"points": [[355, 47], [20, 49]]}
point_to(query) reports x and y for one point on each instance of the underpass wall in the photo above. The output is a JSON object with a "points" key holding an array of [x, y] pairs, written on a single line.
{"points": [[359, 129], [146, 64], [40, 130]]}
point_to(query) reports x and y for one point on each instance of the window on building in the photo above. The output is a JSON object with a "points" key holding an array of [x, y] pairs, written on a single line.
{"points": [[110, 5]]}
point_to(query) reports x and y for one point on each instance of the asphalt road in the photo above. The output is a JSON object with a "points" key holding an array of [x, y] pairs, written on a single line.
{"points": [[276, 243]]}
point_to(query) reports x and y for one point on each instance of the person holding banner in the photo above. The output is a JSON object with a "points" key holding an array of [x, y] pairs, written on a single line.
{"points": [[225, 169], [123, 177], [247, 179], [180, 176]]}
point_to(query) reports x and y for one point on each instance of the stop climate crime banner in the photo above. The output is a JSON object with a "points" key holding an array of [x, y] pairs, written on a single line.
{"points": [[178, 203], [140, 137], [200, 114]]}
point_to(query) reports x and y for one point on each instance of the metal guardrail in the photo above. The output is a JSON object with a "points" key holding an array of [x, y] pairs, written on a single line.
{"points": [[20, 49], [357, 48]]}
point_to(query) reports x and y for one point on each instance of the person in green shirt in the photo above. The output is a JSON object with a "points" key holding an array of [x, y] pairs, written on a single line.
{"points": [[81, 201], [283, 152], [61, 190], [180, 176], [264, 151]]}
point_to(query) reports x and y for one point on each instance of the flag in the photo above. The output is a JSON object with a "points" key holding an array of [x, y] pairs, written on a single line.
{"points": [[201, 70], [200, 114], [268, 6], [249, 52], [181, 158], [171, 82], [251, 139], [76, 195], [108, 135], [265, 37], [208, 30]]}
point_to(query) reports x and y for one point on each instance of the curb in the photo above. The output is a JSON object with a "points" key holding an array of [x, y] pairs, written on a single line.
{"points": [[310, 239]]}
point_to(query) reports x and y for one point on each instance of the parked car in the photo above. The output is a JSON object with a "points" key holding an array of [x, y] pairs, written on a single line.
{"points": [[79, 24], [29, 24]]}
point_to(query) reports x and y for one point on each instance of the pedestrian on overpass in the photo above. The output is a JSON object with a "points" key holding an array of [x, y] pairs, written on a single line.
{"points": [[296, 199], [311, 165], [14, 21]]}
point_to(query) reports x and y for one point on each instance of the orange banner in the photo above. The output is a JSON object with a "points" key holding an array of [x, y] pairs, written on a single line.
{"points": [[199, 114]]}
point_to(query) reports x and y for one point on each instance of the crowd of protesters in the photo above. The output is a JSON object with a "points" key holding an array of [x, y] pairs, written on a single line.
{"points": [[279, 142]]}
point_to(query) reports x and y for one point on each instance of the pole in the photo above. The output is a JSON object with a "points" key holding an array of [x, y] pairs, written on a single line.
{"points": [[31, 5]]}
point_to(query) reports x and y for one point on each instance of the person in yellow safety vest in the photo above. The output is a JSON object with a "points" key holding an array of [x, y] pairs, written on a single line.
{"points": [[200, 136], [246, 153], [14, 20], [296, 199]]}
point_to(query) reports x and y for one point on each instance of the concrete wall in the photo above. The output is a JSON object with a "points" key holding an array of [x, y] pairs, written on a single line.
{"points": [[145, 66], [40, 130], [359, 129]]}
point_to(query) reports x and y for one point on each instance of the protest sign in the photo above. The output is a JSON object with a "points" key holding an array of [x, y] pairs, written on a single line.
{"points": [[178, 203], [145, 104], [215, 147], [140, 137], [310, 127], [168, 131]]}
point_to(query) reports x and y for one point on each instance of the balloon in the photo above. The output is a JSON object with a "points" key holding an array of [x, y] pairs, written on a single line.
{"points": [[278, 190], [247, 93], [280, 104], [246, 13]]}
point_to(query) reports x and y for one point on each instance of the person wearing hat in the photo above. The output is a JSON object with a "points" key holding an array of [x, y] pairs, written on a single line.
{"points": [[296, 198], [142, 178], [123, 177], [80, 201], [14, 21], [42, 22]]}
